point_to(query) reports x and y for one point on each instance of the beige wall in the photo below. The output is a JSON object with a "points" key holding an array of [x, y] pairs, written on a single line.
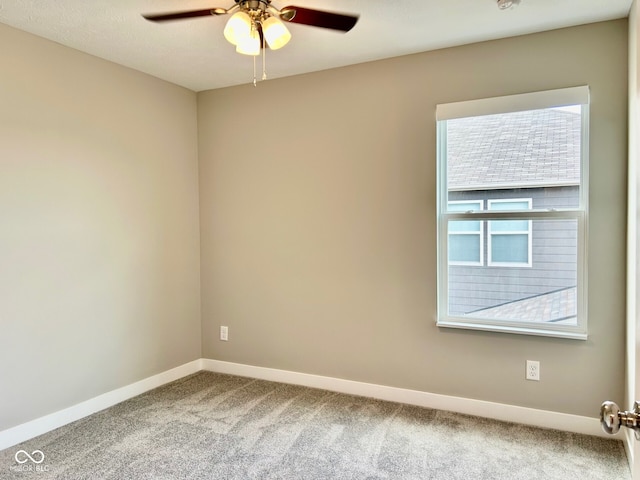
{"points": [[318, 223], [99, 236]]}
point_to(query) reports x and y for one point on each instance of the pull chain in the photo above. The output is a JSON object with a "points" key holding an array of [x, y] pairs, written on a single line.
{"points": [[254, 30], [264, 59], [254, 72]]}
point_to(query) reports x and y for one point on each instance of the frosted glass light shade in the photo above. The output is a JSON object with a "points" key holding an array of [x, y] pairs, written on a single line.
{"points": [[249, 45], [276, 34], [237, 28]]}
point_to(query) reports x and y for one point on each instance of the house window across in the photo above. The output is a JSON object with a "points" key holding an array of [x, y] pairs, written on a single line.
{"points": [[512, 213], [465, 236], [510, 240]]}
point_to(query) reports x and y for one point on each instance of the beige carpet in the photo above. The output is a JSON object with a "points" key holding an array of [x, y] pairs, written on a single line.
{"points": [[213, 426]]}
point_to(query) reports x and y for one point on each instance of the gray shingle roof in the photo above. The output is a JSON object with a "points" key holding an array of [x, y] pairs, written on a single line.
{"points": [[527, 149], [558, 307]]}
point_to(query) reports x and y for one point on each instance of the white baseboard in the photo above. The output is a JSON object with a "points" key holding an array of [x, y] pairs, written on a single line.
{"points": [[496, 411], [25, 431]]}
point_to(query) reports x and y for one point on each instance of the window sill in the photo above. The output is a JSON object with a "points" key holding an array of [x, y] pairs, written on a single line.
{"points": [[520, 330]]}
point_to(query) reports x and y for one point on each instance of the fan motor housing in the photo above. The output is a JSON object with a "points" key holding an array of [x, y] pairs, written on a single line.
{"points": [[253, 5]]}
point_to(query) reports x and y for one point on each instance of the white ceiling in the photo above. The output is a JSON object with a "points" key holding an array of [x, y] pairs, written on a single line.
{"points": [[193, 53]]}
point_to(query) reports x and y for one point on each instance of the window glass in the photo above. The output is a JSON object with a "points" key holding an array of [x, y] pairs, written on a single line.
{"points": [[464, 248], [509, 240], [465, 236], [510, 249]]}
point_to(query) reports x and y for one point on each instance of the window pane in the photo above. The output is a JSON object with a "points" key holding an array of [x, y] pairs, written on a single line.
{"points": [[509, 225], [464, 226], [544, 292], [510, 248], [464, 248], [509, 206], [464, 206], [527, 150]]}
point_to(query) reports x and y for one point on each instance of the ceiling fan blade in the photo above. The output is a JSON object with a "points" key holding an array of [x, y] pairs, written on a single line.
{"points": [[163, 17], [317, 18]]}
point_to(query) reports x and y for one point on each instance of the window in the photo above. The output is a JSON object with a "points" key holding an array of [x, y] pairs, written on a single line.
{"points": [[465, 237], [510, 240], [512, 213]]}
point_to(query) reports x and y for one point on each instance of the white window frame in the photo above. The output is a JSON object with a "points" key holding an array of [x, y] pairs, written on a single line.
{"points": [[513, 103], [480, 234], [490, 234]]}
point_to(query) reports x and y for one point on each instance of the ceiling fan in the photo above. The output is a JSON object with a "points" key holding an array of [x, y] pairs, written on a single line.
{"points": [[256, 24]]}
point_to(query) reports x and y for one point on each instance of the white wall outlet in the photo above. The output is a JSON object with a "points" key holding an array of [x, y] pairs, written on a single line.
{"points": [[533, 370], [224, 333]]}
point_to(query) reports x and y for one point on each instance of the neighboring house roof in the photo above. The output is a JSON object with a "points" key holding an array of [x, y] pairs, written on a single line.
{"points": [[529, 149], [558, 307]]}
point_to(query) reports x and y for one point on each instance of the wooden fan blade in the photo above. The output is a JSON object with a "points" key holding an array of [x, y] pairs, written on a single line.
{"points": [[163, 17], [317, 18]]}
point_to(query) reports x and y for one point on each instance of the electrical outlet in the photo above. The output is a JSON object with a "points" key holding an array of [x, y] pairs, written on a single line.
{"points": [[224, 333], [533, 370]]}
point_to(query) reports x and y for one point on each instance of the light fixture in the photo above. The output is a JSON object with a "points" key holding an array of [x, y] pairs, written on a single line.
{"points": [[237, 28], [276, 34], [255, 26], [505, 4], [249, 44], [243, 26]]}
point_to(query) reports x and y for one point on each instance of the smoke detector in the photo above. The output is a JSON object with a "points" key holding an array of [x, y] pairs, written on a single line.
{"points": [[504, 4]]}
